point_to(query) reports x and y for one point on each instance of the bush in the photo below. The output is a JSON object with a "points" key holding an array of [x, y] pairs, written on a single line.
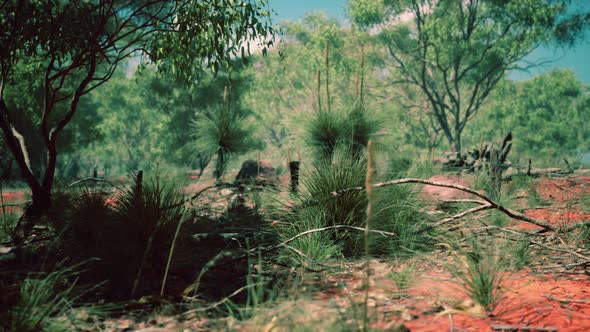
{"points": [[397, 210], [41, 299], [341, 171], [223, 132], [131, 239], [317, 247], [481, 272]]}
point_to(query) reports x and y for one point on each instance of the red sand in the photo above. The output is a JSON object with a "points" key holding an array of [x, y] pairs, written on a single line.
{"points": [[529, 300], [563, 189]]}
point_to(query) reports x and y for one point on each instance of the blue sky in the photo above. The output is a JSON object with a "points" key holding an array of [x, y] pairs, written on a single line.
{"points": [[577, 58]]}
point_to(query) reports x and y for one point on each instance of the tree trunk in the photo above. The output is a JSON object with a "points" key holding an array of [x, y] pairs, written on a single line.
{"points": [[457, 141], [40, 192]]}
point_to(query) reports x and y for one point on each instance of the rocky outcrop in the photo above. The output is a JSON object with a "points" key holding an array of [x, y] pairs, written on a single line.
{"points": [[260, 173]]}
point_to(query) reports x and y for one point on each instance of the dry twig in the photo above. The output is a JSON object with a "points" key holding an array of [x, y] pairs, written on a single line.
{"points": [[490, 204]]}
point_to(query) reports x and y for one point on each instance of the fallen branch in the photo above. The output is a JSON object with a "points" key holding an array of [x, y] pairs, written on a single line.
{"points": [[316, 230], [222, 301], [585, 259], [565, 301], [459, 201], [89, 179], [507, 230], [455, 217], [490, 203]]}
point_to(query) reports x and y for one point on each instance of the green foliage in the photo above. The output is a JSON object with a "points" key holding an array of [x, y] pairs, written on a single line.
{"points": [[404, 277], [130, 234], [546, 115], [341, 171], [396, 209], [366, 12], [284, 89], [318, 247], [8, 219], [41, 299], [223, 132], [481, 272], [326, 129], [442, 50], [76, 46], [521, 253]]}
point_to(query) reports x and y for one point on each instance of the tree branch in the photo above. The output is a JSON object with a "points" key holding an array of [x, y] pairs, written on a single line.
{"points": [[490, 203]]}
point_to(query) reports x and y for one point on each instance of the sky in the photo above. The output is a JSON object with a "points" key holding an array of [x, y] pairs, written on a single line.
{"points": [[577, 58]]}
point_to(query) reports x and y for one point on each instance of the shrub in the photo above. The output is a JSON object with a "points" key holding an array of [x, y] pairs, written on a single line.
{"points": [[481, 273], [131, 239], [341, 171], [41, 299], [223, 132], [317, 247], [396, 208]]}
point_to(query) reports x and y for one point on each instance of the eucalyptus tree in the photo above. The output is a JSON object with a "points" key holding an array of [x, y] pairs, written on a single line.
{"points": [[455, 52], [547, 115], [79, 45]]}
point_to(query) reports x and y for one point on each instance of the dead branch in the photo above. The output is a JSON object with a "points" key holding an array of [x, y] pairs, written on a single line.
{"points": [[585, 259], [455, 217], [222, 301], [316, 230], [459, 201], [565, 301], [89, 179], [491, 204]]}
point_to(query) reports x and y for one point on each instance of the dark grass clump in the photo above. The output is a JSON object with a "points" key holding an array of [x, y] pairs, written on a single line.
{"points": [[41, 299], [341, 171], [481, 271], [325, 130], [397, 209], [129, 236]]}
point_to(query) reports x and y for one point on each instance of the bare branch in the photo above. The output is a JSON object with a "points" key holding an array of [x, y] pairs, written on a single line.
{"points": [[490, 203]]}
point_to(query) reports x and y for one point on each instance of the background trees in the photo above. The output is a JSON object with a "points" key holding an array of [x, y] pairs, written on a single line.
{"points": [[79, 44], [456, 52], [546, 115]]}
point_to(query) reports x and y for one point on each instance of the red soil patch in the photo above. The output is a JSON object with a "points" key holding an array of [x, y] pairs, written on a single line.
{"points": [[563, 189], [439, 193], [560, 190], [14, 201], [556, 217], [539, 301]]}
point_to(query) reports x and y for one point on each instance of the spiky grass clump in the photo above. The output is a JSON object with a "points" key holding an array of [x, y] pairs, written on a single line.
{"points": [[8, 224], [398, 210], [223, 132], [482, 272], [362, 127], [131, 240], [325, 131], [341, 171], [41, 299], [151, 214], [317, 247]]}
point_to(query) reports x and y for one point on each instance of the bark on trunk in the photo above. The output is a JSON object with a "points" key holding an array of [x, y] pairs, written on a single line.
{"points": [[40, 192]]}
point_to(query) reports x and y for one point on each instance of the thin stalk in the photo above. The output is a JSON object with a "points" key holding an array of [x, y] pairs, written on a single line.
{"points": [[362, 80], [369, 190], [171, 253], [319, 90], [328, 77]]}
